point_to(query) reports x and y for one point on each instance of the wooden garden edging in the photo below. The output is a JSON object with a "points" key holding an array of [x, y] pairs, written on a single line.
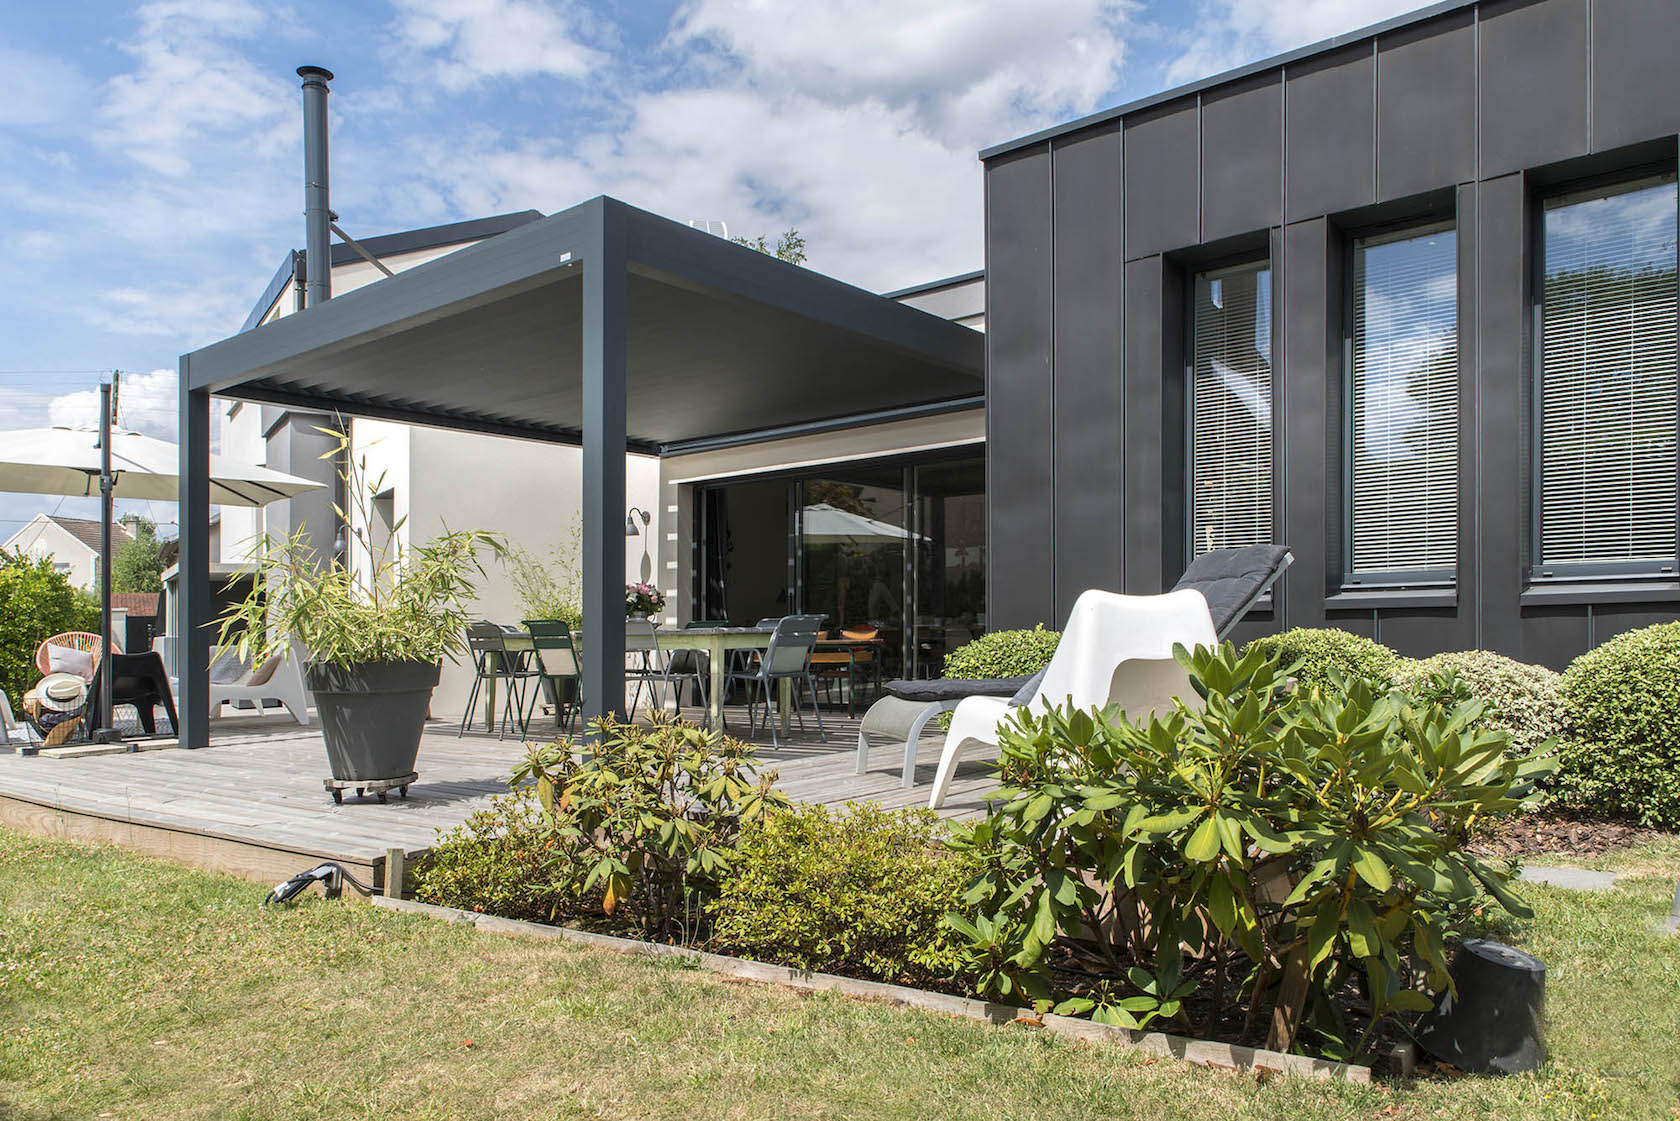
{"points": [[1156, 1043]]}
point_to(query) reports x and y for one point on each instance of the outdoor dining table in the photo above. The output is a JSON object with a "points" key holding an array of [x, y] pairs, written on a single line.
{"points": [[715, 642]]}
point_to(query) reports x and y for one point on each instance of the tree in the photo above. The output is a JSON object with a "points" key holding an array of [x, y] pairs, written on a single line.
{"points": [[138, 564], [790, 247], [35, 604]]}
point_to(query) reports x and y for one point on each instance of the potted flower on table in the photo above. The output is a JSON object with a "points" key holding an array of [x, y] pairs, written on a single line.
{"points": [[642, 601]]}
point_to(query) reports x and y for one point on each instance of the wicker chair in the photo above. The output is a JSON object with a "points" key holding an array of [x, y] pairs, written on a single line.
{"points": [[74, 640]]}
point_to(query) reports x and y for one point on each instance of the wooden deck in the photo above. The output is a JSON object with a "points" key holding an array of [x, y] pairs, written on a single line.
{"points": [[252, 803]]}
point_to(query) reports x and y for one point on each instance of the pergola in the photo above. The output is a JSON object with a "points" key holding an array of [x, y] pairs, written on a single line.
{"points": [[603, 326]]}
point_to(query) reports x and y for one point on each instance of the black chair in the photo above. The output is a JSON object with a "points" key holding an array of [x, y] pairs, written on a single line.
{"points": [[136, 679], [787, 658]]}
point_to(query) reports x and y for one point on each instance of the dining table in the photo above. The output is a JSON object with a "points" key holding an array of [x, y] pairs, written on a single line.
{"points": [[714, 642]]}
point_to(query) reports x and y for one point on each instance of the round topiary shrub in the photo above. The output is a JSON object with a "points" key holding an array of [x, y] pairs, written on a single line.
{"points": [[1523, 700], [1621, 715], [1003, 654], [1322, 649]]}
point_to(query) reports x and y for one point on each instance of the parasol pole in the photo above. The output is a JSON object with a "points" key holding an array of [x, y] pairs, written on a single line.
{"points": [[105, 733]]}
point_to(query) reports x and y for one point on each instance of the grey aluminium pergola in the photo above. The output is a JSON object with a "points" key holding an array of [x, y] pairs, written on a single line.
{"points": [[602, 326]]}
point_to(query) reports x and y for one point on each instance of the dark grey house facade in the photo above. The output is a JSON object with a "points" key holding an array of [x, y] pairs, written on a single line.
{"points": [[1404, 301]]}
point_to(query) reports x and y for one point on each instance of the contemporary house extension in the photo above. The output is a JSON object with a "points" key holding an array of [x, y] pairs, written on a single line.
{"points": [[1404, 300]]}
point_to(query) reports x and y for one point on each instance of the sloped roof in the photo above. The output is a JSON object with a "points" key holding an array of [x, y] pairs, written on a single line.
{"points": [[86, 530], [135, 603]]}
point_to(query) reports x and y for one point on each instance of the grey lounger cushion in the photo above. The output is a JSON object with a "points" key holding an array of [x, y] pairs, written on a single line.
{"points": [[1230, 578], [956, 690]]}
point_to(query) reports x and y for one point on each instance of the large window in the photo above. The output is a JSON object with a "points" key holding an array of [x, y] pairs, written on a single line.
{"points": [[1607, 391], [1403, 408], [1230, 453]]}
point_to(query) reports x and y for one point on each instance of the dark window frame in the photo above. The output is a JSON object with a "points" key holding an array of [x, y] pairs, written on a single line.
{"points": [[1539, 571]]}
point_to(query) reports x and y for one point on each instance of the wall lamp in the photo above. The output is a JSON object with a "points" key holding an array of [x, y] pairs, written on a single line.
{"points": [[630, 527]]}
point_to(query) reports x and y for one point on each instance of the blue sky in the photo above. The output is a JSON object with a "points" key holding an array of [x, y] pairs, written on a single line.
{"points": [[150, 153]]}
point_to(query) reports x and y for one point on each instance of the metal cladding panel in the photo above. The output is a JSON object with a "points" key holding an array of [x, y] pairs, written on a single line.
{"points": [[1469, 448], [1635, 82], [1242, 157], [1088, 407], [1362, 623], [1418, 632], [1329, 146], [1307, 372], [1502, 324], [1146, 381], [1610, 620], [1019, 391], [1426, 106], [1552, 636], [1534, 83], [1160, 180]]}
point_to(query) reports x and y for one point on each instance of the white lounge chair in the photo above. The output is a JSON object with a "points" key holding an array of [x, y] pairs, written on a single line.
{"points": [[1115, 649], [279, 679]]}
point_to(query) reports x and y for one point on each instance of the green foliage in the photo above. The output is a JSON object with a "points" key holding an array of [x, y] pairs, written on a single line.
{"points": [[503, 861], [1262, 828], [1003, 654], [138, 563], [1622, 728], [859, 891], [790, 247], [411, 603], [1525, 701], [650, 822], [1315, 655], [35, 604], [550, 584]]}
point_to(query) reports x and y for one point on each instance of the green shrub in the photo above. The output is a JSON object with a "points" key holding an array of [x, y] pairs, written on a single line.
{"points": [[1523, 700], [35, 604], [504, 860], [1321, 828], [1622, 728], [1319, 650], [859, 891], [1003, 654]]}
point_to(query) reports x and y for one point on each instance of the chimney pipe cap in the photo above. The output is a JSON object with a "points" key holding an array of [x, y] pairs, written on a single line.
{"points": [[315, 75]]}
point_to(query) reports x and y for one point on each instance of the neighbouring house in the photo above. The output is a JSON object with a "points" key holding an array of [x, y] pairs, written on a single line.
{"points": [[71, 544], [1404, 300]]}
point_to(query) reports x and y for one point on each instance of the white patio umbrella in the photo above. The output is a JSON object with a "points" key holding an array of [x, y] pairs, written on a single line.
{"points": [[72, 461], [826, 524], [66, 461]]}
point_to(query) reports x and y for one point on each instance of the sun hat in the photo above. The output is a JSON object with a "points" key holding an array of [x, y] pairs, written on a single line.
{"points": [[62, 692]]}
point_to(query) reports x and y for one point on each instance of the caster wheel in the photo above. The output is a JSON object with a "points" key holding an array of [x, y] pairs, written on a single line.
{"points": [[382, 797], [359, 792], [403, 793], [338, 797]]}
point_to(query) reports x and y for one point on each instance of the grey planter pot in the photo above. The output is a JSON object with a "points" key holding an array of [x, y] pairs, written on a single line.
{"points": [[372, 714]]}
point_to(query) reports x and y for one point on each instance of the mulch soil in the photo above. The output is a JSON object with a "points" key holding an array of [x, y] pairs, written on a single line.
{"points": [[1548, 831]]}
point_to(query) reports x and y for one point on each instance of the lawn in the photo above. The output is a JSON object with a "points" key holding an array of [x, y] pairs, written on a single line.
{"points": [[132, 988]]}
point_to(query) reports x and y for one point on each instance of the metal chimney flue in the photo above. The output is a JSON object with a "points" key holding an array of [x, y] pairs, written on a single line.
{"points": [[317, 205]]}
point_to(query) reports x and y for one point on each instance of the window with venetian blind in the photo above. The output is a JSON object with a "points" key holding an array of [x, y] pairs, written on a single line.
{"points": [[1230, 401], [1403, 408], [1606, 472]]}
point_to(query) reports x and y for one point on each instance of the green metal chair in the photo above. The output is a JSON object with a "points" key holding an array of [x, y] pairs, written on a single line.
{"points": [[558, 670]]}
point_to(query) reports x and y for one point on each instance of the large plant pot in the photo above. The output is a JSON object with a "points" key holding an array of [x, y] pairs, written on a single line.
{"points": [[372, 714]]}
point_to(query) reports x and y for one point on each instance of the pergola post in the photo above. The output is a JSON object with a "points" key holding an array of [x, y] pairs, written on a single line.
{"points": [[192, 620], [605, 320]]}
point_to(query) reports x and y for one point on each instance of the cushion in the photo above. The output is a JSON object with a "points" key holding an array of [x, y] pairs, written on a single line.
{"points": [[1025, 693], [265, 671], [228, 667], [948, 690], [1229, 578], [63, 659]]}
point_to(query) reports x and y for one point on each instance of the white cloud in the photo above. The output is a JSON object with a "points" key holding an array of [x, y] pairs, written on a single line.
{"points": [[146, 403], [472, 41], [1233, 32], [191, 93], [40, 90], [971, 71]]}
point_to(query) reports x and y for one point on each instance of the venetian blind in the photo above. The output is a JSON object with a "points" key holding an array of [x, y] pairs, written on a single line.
{"points": [[1607, 471], [1231, 409], [1403, 451]]}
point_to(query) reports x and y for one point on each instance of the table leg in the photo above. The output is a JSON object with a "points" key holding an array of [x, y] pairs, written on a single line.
{"points": [[490, 704], [784, 704], [714, 710]]}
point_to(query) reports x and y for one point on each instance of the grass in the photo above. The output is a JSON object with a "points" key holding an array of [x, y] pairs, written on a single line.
{"points": [[133, 988]]}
